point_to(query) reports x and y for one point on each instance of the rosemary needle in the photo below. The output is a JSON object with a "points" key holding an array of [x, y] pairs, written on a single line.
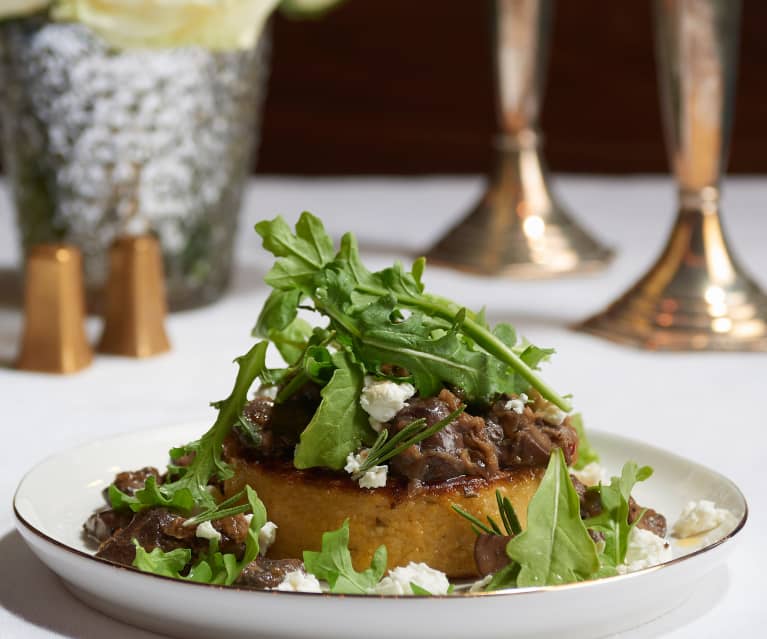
{"points": [[416, 431]]}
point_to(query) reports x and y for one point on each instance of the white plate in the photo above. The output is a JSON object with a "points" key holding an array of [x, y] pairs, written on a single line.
{"points": [[55, 498]]}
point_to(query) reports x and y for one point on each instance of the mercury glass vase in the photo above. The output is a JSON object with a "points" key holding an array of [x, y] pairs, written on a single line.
{"points": [[100, 143]]}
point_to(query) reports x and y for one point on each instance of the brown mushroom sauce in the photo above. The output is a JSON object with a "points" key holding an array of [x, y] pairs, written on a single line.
{"points": [[480, 442]]}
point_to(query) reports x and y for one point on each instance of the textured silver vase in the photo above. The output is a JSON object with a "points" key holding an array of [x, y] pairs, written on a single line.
{"points": [[100, 143]]}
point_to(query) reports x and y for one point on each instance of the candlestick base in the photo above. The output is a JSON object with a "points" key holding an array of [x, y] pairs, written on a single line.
{"points": [[695, 297], [518, 229]]}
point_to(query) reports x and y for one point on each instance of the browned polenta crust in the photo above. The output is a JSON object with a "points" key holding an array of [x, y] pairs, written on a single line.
{"points": [[416, 525]]}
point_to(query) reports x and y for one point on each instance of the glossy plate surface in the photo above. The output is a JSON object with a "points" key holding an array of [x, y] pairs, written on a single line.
{"points": [[57, 495]]}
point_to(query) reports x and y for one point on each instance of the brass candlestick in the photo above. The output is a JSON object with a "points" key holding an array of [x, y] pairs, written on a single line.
{"points": [[519, 228], [696, 296], [54, 338]]}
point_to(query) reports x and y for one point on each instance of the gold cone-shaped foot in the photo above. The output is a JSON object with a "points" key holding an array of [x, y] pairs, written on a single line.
{"points": [[695, 297], [518, 229], [54, 338], [135, 304]]}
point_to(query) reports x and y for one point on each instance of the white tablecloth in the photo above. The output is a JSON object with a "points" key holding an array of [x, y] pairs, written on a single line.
{"points": [[663, 398]]}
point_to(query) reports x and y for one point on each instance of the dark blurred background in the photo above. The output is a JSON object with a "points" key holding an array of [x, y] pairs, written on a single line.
{"points": [[404, 86]]}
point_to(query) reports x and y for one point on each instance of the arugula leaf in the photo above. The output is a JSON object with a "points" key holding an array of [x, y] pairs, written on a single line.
{"points": [[334, 564], [506, 577], [315, 363], [190, 489], [533, 355], [150, 495], [318, 364], [159, 562], [586, 453], [339, 425], [300, 255], [278, 311], [555, 547], [278, 322], [342, 288], [418, 590], [613, 520], [215, 567], [504, 332], [431, 362], [258, 510]]}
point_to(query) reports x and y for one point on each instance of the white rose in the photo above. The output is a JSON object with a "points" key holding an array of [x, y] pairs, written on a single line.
{"points": [[213, 24], [17, 8]]}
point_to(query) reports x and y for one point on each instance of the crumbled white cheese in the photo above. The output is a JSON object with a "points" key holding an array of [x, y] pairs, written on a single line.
{"points": [[299, 581], [374, 478], [544, 409], [398, 581], [383, 399], [517, 404], [354, 461], [206, 531], [645, 549], [591, 474], [266, 537], [479, 586], [248, 518], [699, 517], [552, 414]]}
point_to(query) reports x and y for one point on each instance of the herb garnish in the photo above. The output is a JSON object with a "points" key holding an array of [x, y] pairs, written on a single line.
{"points": [[440, 341], [223, 509], [613, 522], [385, 449], [190, 489], [213, 566], [339, 424], [555, 547], [375, 319], [506, 511]]}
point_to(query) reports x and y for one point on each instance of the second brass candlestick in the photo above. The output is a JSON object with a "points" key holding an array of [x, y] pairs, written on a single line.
{"points": [[519, 228], [696, 296]]}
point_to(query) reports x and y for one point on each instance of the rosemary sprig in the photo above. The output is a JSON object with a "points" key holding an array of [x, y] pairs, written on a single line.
{"points": [[250, 429], [477, 525], [508, 518], [416, 431], [221, 510]]}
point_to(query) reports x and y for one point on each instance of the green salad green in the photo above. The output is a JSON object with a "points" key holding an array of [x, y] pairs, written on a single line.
{"points": [[213, 566], [371, 320]]}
